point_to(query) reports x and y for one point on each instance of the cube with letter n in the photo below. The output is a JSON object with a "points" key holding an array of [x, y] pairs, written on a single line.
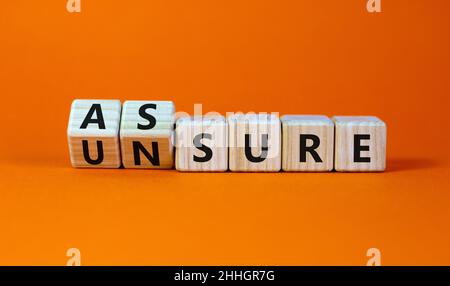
{"points": [[147, 134]]}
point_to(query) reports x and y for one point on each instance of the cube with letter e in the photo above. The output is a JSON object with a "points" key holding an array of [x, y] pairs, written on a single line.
{"points": [[360, 144]]}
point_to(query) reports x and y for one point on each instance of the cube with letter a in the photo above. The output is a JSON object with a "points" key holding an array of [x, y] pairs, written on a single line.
{"points": [[360, 144], [147, 134], [93, 133]]}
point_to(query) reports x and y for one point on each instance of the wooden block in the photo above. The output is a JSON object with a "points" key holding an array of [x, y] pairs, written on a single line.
{"points": [[360, 144], [202, 144], [147, 134], [93, 133], [308, 143], [255, 143]]}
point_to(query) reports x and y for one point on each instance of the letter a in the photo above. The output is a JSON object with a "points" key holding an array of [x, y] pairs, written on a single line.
{"points": [[374, 6], [375, 257], [75, 257], [73, 6]]}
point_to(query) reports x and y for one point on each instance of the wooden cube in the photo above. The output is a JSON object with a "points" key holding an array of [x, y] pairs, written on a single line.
{"points": [[202, 144], [308, 143], [147, 134], [255, 143], [360, 144], [93, 133]]}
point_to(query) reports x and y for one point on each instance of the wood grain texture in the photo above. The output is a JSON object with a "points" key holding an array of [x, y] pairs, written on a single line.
{"points": [[108, 137], [162, 134], [255, 127], [213, 131], [346, 129], [308, 125]]}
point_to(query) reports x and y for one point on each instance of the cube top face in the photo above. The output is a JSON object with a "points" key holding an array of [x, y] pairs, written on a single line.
{"points": [[201, 120], [82, 110], [305, 120], [360, 144], [147, 134], [255, 124], [254, 118], [358, 120], [147, 118], [189, 127], [202, 144], [308, 143], [93, 133], [255, 143]]}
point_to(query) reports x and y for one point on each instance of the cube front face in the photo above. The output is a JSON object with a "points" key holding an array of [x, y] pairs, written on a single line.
{"points": [[147, 134], [202, 144], [93, 133], [360, 144], [255, 143], [308, 143]]}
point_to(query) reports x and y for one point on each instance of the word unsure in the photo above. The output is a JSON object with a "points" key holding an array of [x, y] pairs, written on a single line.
{"points": [[146, 134]]}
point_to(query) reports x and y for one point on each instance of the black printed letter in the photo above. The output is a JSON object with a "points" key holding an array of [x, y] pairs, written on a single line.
{"points": [[149, 117], [311, 149], [200, 146], [99, 152], [137, 146], [88, 119], [358, 148], [264, 148]]}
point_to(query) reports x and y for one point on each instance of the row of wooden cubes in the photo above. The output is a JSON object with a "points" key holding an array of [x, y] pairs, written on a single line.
{"points": [[144, 134]]}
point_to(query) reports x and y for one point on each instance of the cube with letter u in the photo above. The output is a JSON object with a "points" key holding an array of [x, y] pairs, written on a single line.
{"points": [[93, 133], [255, 142]]}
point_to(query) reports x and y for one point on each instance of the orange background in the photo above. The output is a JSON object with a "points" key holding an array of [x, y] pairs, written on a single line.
{"points": [[302, 57]]}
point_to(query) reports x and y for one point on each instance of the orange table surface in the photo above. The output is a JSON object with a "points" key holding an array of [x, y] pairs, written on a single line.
{"points": [[293, 57]]}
